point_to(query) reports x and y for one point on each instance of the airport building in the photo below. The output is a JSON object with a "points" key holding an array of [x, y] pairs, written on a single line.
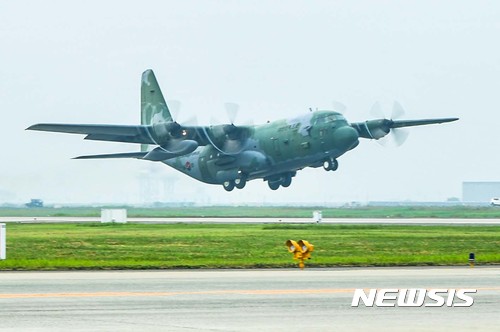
{"points": [[480, 191]]}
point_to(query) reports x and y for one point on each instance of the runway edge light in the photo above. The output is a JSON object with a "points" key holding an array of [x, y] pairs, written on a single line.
{"points": [[306, 249], [301, 250], [472, 259], [293, 247], [3, 241]]}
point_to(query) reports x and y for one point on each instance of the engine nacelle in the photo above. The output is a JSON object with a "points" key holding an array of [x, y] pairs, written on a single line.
{"points": [[165, 131], [373, 129]]}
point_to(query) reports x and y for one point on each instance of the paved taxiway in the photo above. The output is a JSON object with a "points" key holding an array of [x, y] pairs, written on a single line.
{"points": [[376, 221], [240, 300]]}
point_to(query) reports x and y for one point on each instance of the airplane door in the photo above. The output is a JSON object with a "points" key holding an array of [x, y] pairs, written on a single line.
{"points": [[276, 146]]}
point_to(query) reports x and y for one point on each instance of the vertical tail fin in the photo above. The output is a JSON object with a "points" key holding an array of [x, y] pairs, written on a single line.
{"points": [[154, 109]]}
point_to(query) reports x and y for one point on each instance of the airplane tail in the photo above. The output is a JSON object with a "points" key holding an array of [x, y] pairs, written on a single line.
{"points": [[154, 109]]}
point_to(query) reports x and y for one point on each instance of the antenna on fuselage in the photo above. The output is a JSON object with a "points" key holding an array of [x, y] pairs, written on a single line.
{"points": [[310, 109]]}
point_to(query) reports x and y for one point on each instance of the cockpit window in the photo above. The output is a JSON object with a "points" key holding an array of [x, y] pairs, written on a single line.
{"points": [[329, 118]]}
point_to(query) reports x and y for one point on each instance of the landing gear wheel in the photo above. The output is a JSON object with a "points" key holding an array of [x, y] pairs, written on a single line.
{"points": [[287, 181], [335, 165], [331, 164], [240, 182], [273, 185], [228, 185]]}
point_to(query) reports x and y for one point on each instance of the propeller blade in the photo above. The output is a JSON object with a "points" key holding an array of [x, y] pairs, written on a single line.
{"points": [[339, 107], [174, 106], [192, 121], [376, 111], [232, 111], [397, 111], [400, 136], [395, 138]]}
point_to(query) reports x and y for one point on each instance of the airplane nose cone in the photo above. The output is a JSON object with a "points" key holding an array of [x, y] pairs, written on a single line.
{"points": [[346, 137]]}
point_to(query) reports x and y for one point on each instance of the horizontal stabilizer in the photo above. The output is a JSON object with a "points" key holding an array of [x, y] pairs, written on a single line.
{"points": [[137, 155]]}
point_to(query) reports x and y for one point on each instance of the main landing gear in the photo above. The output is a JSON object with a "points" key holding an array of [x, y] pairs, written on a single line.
{"points": [[330, 164], [238, 183], [284, 181], [274, 182], [228, 185]]}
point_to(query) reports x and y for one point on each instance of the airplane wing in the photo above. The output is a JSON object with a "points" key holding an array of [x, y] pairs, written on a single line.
{"points": [[423, 122], [114, 133], [137, 155], [145, 134], [375, 129]]}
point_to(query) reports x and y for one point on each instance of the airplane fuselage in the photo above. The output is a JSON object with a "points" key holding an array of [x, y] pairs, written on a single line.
{"points": [[273, 150]]}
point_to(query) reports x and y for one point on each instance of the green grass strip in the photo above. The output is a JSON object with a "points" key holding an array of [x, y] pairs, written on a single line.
{"points": [[274, 212], [163, 246]]}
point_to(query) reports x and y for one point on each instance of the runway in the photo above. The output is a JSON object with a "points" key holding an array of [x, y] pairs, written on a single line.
{"points": [[240, 300], [243, 220]]}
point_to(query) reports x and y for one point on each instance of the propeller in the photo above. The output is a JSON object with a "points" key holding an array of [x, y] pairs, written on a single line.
{"points": [[233, 133], [228, 139], [174, 107], [396, 136], [172, 137]]}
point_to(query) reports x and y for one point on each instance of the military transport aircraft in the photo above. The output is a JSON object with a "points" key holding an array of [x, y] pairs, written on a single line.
{"points": [[230, 154]]}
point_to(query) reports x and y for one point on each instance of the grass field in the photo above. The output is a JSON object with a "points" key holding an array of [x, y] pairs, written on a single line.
{"points": [[249, 212], [146, 246]]}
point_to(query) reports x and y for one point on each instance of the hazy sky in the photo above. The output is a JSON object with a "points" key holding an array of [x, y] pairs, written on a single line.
{"points": [[81, 61]]}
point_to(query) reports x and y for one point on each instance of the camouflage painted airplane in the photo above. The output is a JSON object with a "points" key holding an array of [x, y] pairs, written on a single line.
{"points": [[231, 155]]}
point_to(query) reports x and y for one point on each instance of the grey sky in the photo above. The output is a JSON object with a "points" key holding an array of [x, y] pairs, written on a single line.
{"points": [[80, 62]]}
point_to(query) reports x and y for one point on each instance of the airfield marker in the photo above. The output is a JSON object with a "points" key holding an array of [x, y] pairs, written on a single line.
{"points": [[3, 241], [472, 259]]}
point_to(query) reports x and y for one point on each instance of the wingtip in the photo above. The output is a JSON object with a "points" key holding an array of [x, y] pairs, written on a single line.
{"points": [[445, 120], [82, 157]]}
